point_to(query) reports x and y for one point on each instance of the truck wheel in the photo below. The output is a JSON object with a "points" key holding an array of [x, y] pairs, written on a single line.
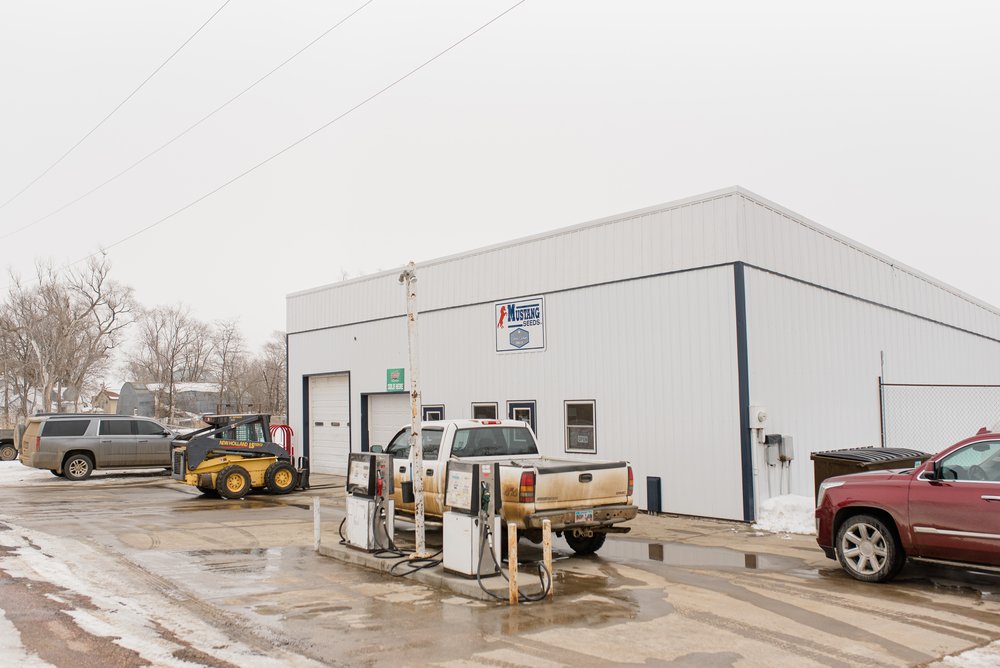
{"points": [[584, 545], [868, 550], [280, 478], [7, 452], [233, 482], [78, 467]]}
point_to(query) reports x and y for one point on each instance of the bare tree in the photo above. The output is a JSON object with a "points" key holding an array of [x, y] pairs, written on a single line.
{"points": [[270, 370], [174, 347], [229, 352], [57, 332]]}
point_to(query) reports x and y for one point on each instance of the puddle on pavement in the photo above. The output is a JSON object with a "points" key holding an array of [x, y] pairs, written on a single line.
{"points": [[683, 554], [240, 561]]}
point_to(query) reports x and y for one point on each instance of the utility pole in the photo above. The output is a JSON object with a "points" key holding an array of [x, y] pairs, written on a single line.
{"points": [[409, 279]]}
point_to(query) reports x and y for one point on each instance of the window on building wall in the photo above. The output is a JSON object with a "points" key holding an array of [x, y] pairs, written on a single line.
{"points": [[523, 411], [484, 411], [581, 426], [432, 412]]}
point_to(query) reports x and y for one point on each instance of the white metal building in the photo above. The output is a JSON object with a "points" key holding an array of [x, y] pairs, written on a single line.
{"points": [[646, 336]]}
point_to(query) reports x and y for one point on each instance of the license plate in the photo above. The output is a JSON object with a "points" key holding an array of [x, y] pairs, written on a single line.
{"points": [[585, 516]]}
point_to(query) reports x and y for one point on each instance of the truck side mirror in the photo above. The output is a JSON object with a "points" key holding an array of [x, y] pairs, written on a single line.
{"points": [[934, 472], [377, 448]]}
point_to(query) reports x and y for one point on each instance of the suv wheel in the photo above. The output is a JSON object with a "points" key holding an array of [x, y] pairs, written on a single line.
{"points": [[7, 452], [868, 550], [280, 478], [78, 467], [233, 482]]}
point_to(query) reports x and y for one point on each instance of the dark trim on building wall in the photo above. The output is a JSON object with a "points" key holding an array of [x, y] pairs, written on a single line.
{"points": [[365, 445], [873, 303], [670, 273], [743, 365], [305, 416], [499, 299]]}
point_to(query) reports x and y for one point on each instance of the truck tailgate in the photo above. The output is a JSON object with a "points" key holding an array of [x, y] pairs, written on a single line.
{"points": [[566, 483]]}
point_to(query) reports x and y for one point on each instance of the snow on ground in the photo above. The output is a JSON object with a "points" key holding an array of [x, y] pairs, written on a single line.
{"points": [[128, 604], [984, 657], [787, 514], [14, 472], [12, 651]]}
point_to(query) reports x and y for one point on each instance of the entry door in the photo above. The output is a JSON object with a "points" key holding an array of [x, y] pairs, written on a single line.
{"points": [[387, 414], [329, 423]]}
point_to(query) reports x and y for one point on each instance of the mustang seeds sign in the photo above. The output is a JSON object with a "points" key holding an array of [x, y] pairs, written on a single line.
{"points": [[520, 325]]}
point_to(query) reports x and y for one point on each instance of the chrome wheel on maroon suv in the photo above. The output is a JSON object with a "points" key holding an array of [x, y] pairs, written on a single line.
{"points": [[868, 549]]}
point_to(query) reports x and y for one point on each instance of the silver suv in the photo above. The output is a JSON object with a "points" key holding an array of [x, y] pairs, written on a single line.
{"points": [[73, 445]]}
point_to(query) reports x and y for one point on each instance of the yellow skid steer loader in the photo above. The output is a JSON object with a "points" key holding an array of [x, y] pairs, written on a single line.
{"points": [[233, 455]]}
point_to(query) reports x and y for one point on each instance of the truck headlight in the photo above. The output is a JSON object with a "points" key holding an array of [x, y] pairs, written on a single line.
{"points": [[823, 486]]}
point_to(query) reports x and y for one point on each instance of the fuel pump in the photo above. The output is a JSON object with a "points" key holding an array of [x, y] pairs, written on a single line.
{"points": [[472, 518], [370, 509]]}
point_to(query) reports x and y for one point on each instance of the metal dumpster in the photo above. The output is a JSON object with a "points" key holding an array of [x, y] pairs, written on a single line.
{"points": [[858, 460]]}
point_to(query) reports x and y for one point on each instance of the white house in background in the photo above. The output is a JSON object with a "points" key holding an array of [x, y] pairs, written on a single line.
{"points": [[674, 336]]}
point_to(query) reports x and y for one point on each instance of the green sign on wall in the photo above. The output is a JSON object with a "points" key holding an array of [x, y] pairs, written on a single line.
{"points": [[395, 380]]}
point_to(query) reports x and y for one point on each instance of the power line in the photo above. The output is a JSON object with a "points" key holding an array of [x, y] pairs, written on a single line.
{"points": [[189, 129], [303, 138], [120, 105]]}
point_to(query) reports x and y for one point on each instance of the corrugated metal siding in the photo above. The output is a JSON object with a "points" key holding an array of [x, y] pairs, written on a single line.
{"points": [[815, 359], [672, 238], [657, 355], [778, 241], [718, 228]]}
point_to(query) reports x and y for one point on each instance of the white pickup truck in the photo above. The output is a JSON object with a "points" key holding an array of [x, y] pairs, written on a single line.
{"points": [[584, 500]]}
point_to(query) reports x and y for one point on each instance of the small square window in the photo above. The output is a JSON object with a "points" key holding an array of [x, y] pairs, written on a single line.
{"points": [[432, 412], [484, 411], [581, 426]]}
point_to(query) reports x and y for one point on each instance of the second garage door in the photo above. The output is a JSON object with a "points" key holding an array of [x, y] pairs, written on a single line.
{"points": [[386, 414], [329, 423]]}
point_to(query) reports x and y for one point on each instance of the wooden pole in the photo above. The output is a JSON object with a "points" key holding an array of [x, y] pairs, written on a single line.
{"points": [[547, 553], [512, 560], [316, 523]]}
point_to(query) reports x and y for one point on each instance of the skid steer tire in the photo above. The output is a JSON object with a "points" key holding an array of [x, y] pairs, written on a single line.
{"points": [[280, 478], [233, 482], [210, 492]]}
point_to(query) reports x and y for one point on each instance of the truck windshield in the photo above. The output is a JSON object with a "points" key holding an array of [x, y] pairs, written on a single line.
{"points": [[493, 441]]}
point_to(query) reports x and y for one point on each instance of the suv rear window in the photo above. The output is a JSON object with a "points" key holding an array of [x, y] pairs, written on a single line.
{"points": [[65, 427]]}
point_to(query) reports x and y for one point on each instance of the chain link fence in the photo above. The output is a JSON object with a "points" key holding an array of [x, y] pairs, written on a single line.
{"points": [[931, 417]]}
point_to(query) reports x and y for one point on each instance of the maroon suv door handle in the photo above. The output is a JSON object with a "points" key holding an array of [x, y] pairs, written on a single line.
{"points": [[987, 497]]}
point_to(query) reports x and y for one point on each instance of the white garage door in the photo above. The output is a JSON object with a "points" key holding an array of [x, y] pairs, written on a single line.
{"points": [[329, 423], [386, 414]]}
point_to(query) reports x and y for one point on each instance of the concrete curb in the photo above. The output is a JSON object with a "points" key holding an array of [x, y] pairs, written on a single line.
{"points": [[432, 577]]}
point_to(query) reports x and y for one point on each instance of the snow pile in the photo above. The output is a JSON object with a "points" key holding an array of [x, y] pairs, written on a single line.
{"points": [[13, 472], [984, 657], [787, 514]]}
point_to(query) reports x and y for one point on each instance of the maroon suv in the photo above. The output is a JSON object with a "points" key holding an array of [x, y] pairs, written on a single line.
{"points": [[945, 510]]}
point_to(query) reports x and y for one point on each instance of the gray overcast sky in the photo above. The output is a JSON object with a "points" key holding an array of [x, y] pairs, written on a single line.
{"points": [[878, 120]]}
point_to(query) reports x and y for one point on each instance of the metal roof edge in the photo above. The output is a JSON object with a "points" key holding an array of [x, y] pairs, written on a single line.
{"points": [[860, 247], [569, 229]]}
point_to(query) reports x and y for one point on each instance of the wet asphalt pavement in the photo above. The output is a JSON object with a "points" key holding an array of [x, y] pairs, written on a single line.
{"points": [[167, 576]]}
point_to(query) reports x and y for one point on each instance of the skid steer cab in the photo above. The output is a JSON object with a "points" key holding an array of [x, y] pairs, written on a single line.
{"points": [[233, 455]]}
